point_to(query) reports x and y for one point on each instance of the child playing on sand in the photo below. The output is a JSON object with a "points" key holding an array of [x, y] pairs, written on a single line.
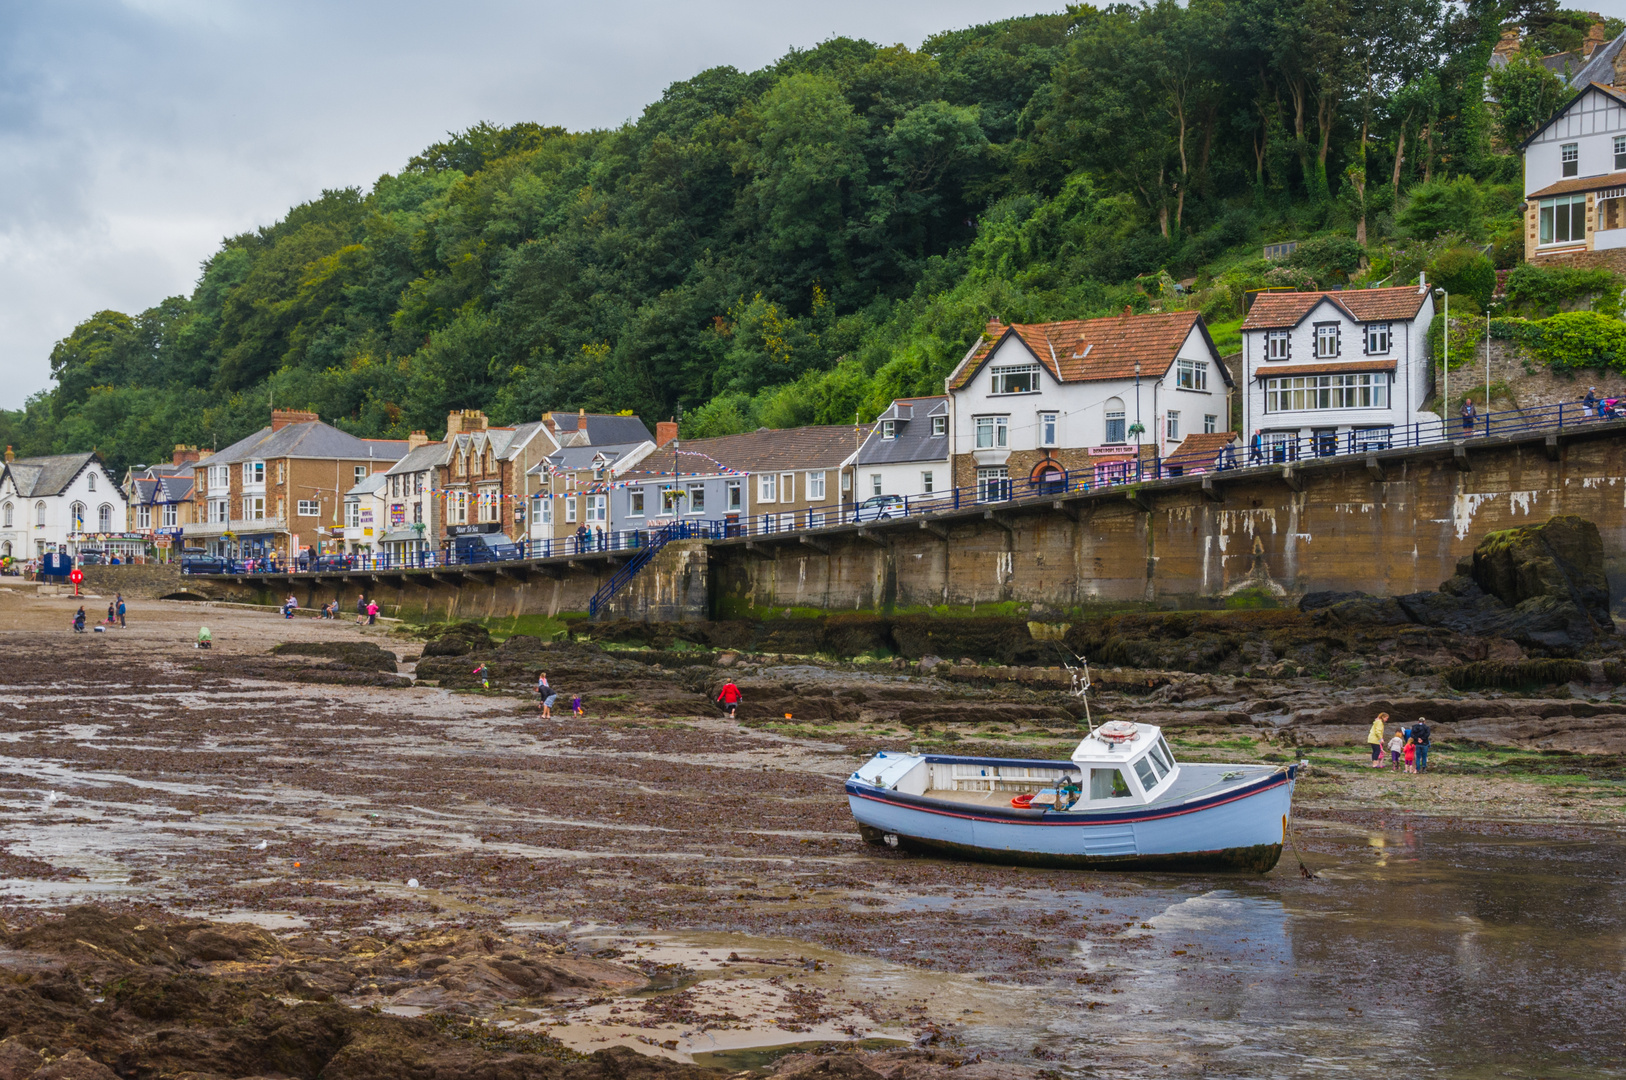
{"points": [[1411, 756], [1395, 745], [576, 705]]}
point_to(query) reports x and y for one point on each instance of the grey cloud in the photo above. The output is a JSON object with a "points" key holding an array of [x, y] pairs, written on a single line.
{"points": [[134, 135]]}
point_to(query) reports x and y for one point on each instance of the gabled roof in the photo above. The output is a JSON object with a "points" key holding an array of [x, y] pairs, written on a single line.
{"points": [[1600, 66], [423, 458], [167, 488], [1584, 85], [1279, 310], [762, 450], [1086, 350], [601, 429], [582, 457], [39, 477], [368, 485], [312, 439], [913, 439], [519, 437]]}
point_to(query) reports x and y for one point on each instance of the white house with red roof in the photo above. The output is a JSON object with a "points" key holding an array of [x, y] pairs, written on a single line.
{"points": [[1331, 372], [1036, 401]]}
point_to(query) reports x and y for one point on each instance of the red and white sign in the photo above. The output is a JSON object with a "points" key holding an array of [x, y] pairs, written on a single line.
{"points": [[77, 576]]}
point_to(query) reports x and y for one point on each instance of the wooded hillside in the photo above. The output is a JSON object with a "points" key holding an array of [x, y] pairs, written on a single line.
{"points": [[800, 244]]}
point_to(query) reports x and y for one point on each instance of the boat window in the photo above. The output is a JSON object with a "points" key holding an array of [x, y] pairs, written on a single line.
{"points": [[1161, 757], [1108, 784], [1143, 769], [1159, 766], [1168, 755]]}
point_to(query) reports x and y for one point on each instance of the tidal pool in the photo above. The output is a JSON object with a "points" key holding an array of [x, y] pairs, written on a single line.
{"points": [[1432, 950]]}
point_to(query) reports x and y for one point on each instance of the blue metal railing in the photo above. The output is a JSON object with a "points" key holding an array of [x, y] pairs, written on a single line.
{"points": [[1266, 450], [676, 530]]}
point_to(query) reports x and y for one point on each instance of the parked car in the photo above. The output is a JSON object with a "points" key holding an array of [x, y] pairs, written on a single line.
{"points": [[881, 507], [205, 564], [331, 562]]}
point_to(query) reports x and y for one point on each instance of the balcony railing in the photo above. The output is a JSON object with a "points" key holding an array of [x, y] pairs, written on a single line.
{"points": [[1265, 451]]}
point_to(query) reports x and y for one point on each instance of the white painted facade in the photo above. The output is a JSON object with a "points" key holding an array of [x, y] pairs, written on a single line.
{"points": [[1281, 398], [1584, 142], [88, 510], [1189, 396]]}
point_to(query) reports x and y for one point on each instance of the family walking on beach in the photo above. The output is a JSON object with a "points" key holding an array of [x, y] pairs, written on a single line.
{"points": [[1408, 746]]}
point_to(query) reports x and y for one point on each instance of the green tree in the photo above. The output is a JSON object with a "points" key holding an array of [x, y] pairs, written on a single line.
{"points": [[1526, 94]]}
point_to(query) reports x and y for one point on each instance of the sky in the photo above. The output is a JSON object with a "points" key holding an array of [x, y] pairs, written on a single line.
{"points": [[136, 134]]}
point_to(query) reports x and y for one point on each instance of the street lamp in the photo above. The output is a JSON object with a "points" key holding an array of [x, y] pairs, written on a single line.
{"points": [[1445, 351]]}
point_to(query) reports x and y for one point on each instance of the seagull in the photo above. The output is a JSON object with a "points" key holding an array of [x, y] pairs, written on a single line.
{"points": [[260, 846]]}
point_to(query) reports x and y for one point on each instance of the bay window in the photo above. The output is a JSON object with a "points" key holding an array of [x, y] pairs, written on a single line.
{"points": [[993, 432], [1563, 220]]}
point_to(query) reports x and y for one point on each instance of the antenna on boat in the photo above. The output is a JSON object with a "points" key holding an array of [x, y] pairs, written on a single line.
{"points": [[1081, 686]]}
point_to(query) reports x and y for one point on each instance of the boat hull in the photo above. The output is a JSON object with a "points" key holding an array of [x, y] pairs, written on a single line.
{"points": [[1240, 830]]}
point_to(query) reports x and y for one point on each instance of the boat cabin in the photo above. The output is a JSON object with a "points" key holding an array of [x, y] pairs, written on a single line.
{"points": [[1118, 765]]}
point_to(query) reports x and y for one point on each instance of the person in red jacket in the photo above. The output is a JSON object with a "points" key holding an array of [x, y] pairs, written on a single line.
{"points": [[729, 698]]}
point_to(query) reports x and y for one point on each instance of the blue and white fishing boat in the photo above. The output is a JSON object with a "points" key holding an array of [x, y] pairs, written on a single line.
{"points": [[1122, 802]]}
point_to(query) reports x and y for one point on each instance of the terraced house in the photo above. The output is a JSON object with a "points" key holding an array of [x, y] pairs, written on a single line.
{"points": [[160, 497], [281, 490]]}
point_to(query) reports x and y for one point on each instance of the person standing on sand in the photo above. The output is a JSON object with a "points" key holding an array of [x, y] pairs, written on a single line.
{"points": [[1410, 754], [1374, 739], [545, 694], [1395, 746], [361, 609], [118, 599], [372, 612], [1421, 734]]}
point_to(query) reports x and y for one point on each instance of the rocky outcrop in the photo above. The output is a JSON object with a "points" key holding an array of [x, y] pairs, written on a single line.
{"points": [[1542, 586]]}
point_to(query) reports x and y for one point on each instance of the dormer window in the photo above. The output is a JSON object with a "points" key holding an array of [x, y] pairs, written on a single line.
{"points": [[1277, 344], [1569, 156], [939, 426], [1326, 341], [889, 429], [92, 478], [1017, 379]]}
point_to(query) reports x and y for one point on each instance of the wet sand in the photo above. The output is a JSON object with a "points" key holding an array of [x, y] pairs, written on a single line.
{"points": [[137, 771]]}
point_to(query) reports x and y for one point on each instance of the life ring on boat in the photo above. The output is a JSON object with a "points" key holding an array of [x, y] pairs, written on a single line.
{"points": [[1023, 801], [1118, 731]]}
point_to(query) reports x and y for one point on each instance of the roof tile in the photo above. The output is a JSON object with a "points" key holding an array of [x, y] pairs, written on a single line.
{"points": [[1084, 350], [1278, 310]]}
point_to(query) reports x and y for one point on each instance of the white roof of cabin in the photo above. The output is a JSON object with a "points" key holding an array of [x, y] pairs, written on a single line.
{"points": [[1095, 750]]}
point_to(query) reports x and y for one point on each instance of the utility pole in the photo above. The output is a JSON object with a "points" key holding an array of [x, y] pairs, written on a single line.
{"points": [[1445, 350]]}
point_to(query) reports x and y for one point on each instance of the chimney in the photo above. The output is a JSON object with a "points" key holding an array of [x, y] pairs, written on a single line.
{"points": [[185, 455], [465, 421], [417, 439], [665, 432], [281, 418]]}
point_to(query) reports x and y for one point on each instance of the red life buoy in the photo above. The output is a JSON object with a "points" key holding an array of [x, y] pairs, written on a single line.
{"points": [[1023, 802]]}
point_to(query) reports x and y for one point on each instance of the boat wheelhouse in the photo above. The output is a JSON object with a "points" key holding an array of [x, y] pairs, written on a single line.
{"points": [[1123, 800]]}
